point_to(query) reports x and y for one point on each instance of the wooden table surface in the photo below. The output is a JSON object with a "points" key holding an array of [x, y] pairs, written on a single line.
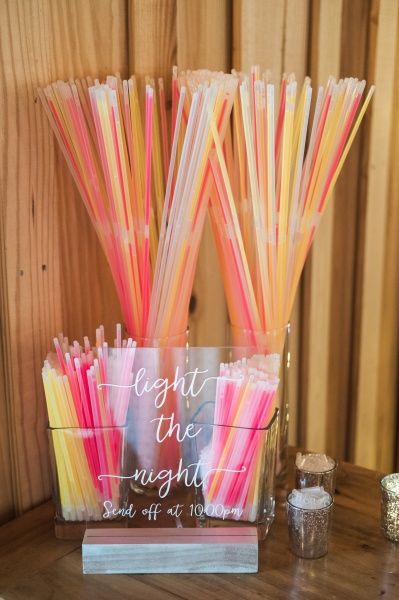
{"points": [[361, 563]]}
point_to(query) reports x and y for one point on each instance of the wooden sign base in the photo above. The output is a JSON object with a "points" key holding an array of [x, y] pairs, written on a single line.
{"points": [[208, 550]]}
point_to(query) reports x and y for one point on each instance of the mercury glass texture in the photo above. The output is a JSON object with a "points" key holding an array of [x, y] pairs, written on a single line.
{"points": [[325, 479], [309, 530], [390, 506]]}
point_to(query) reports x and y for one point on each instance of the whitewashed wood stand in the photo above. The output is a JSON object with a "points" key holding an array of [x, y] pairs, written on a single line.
{"points": [[212, 550]]}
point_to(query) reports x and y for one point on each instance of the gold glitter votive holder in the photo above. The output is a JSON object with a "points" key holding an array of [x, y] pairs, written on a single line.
{"points": [[390, 506]]}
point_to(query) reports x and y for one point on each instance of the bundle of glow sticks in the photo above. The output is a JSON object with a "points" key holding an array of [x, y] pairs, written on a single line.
{"points": [[273, 187], [146, 193], [232, 463], [268, 175], [87, 420]]}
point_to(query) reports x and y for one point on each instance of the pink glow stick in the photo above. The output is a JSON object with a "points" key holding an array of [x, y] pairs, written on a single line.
{"points": [[175, 101], [319, 136], [254, 442], [234, 447], [101, 453], [339, 151], [60, 355], [236, 255], [74, 389], [148, 146], [164, 128], [84, 394]]}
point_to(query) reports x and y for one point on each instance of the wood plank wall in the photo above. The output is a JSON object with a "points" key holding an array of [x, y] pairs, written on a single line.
{"points": [[377, 289], [47, 273], [324, 59], [201, 43], [343, 384], [280, 43]]}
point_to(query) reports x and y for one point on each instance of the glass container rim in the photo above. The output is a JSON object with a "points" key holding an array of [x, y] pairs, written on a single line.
{"points": [[183, 334], [189, 346], [326, 472], [237, 427], [96, 428], [383, 486], [276, 331], [185, 347]]}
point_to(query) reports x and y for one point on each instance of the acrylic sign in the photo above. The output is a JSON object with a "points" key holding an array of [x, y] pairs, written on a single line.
{"points": [[196, 436]]}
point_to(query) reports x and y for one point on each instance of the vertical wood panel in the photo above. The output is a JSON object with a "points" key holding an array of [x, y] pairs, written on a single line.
{"points": [[325, 61], [275, 35], [348, 201], [377, 365], [203, 34], [51, 264], [391, 317], [295, 54], [258, 37], [152, 38], [203, 41], [7, 508]]}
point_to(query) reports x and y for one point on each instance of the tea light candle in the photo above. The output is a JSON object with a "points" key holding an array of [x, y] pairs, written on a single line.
{"points": [[390, 506], [315, 469], [314, 463], [311, 498]]}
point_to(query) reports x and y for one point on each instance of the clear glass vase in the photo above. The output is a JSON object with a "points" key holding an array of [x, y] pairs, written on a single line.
{"points": [[178, 340], [276, 341], [237, 475], [156, 405], [148, 473], [182, 386], [88, 466]]}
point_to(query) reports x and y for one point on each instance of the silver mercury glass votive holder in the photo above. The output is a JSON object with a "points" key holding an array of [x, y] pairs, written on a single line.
{"points": [[309, 529], [389, 486], [310, 476]]}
